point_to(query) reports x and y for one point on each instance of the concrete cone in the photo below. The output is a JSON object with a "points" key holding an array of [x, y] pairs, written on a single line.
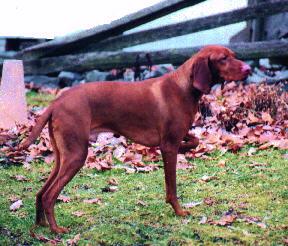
{"points": [[13, 106]]}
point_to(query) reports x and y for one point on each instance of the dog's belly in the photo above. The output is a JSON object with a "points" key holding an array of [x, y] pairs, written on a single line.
{"points": [[147, 137]]}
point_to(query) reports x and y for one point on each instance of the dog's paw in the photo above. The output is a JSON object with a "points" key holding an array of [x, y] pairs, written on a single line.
{"points": [[183, 213], [42, 223], [59, 230]]}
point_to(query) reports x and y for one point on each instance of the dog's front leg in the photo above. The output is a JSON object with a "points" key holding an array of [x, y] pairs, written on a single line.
{"points": [[169, 154]]}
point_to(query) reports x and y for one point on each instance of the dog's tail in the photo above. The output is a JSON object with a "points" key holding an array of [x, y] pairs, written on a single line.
{"points": [[36, 130]]}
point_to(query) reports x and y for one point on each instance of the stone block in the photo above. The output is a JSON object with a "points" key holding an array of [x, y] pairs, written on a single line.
{"points": [[13, 106]]}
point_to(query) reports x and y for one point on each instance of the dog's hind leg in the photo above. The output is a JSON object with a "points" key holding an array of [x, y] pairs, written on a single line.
{"points": [[40, 215], [73, 148]]}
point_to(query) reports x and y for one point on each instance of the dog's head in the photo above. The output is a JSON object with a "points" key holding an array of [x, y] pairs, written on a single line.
{"points": [[216, 64]]}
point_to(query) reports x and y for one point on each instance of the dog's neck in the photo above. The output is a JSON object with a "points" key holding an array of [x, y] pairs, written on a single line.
{"points": [[183, 79]]}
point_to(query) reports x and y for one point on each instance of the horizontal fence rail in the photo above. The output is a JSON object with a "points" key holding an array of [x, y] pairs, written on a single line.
{"points": [[109, 60], [67, 44], [190, 26]]}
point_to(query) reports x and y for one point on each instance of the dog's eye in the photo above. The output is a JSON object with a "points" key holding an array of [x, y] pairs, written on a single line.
{"points": [[224, 58]]}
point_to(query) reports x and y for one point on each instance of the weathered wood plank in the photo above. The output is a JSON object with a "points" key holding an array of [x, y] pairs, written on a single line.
{"points": [[67, 44], [109, 60], [190, 26]]}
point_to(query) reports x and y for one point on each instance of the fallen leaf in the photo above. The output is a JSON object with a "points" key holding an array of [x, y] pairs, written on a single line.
{"points": [[93, 201], [251, 151], [184, 166], [262, 225], [285, 156], [207, 178], [243, 205], [44, 239], [257, 164], [267, 117], [192, 204], [78, 213], [113, 188], [203, 220], [73, 241], [141, 203], [29, 189], [63, 198], [147, 168], [5, 137], [282, 144], [20, 178], [225, 220], [16, 205], [252, 118], [13, 198], [253, 220], [185, 221], [113, 181], [119, 152], [49, 159], [129, 170], [221, 163], [110, 189], [209, 201]]}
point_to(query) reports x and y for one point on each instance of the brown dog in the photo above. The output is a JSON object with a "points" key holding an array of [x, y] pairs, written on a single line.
{"points": [[154, 112]]}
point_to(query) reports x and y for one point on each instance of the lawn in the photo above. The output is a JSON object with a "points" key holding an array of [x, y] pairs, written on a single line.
{"points": [[251, 187], [137, 214]]}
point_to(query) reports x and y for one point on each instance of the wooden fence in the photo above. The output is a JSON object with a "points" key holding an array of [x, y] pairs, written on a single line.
{"points": [[100, 47]]}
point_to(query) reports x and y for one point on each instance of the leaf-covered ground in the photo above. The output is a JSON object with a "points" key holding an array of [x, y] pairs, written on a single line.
{"points": [[234, 183]]}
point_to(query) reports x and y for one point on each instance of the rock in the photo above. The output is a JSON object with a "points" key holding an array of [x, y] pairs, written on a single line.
{"points": [[43, 81], [68, 78], [96, 75], [129, 75], [259, 76], [13, 106], [158, 71]]}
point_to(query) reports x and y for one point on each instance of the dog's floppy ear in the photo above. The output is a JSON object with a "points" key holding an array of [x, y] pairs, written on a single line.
{"points": [[201, 75]]}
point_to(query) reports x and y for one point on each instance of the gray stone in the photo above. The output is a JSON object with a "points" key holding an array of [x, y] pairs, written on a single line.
{"points": [[258, 76], [158, 71], [43, 81], [70, 75], [68, 78], [129, 75], [96, 75]]}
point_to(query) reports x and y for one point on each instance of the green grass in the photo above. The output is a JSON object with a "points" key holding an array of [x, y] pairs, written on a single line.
{"points": [[120, 220], [39, 99]]}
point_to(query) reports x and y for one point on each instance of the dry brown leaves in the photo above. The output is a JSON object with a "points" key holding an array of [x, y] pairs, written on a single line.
{"points": [[239, 115], [231, 216], [231, 118], [63, 198]]}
